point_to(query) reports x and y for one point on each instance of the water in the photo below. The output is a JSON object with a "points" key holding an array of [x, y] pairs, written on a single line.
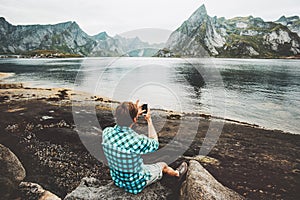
{"points": [[262, 92]]}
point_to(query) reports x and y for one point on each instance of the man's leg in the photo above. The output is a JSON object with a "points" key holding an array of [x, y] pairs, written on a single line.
{"points": [[168, 170]]}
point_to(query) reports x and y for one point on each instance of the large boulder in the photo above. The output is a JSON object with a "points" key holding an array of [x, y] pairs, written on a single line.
{"points": [[33, 191], [12, 172], [91, 189], [201, 185]]}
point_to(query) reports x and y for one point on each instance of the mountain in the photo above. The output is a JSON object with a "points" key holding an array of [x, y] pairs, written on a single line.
{"points": [[293, 23], [69, 38], [203, 36], [63, 37], [134, 47], [105, 46]]}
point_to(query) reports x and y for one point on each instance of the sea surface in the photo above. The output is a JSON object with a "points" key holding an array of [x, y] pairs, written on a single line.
{"points": [[256, 91]]}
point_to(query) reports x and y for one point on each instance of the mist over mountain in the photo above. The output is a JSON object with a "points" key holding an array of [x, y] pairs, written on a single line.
{"points": [[202, 36]]}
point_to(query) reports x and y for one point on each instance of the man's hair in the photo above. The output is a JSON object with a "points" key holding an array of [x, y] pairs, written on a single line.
{"points": [[125, 113]]}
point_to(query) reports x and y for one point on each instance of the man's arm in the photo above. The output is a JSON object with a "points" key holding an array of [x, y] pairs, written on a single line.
{"points": [[151, 130]]}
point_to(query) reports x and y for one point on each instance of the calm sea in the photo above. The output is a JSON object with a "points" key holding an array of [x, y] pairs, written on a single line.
{"points": [[262, 92]]}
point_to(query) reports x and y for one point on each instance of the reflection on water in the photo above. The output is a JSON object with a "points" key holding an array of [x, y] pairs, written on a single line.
{"points": [[192, 74], [42, 72], [264, 92]]}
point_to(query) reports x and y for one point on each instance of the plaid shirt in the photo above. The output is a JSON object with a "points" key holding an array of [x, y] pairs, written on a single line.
{"points": [[123, 148]]}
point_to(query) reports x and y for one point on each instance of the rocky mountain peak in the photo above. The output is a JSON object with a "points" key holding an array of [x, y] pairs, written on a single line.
{"points": [[5, 26], [101, 36], [74, 24], [237, 37], [284, 18], [3, 21], [281, 19], [200, 11], [198, 16], [287, 20], [293, 23], [65, 25]]}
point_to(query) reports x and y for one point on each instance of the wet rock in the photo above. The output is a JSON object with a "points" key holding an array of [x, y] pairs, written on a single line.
{"points": [[91, 189], [12, 172], [174, 116], [4, 98], [99, 99], [63, 94], [201, 185], [33, 191], [204, 159], [11, 85]]}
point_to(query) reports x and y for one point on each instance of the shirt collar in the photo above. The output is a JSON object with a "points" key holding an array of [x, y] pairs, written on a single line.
{"points": [[121, 128]]}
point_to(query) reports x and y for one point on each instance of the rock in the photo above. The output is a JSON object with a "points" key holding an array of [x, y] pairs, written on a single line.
{"points": [[4, 98], [12, 172], [6, 188], [33, 191], [204, 159], [174, 116], [91, 189], [201, 185], [11, 85]]}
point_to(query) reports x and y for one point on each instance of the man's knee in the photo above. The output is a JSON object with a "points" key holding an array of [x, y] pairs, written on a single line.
{"points": [[163, 165]]}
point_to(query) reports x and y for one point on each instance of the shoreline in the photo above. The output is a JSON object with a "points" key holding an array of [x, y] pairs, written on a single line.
{"points": [[38, 125], [204, 115], [12, 56], [5, 75], [182, 114]]}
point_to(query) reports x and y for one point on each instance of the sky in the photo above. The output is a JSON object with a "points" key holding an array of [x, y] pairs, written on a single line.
{"points": [[125, 16]]}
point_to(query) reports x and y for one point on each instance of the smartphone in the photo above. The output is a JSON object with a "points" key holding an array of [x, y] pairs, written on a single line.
{"points": [[145, 107]]}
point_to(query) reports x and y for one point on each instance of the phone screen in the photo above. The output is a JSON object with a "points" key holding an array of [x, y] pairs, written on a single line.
{"points": [[145, 107]]}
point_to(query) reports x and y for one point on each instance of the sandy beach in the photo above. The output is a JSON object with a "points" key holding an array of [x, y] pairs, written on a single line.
{"points": [[38, 126], [5, 75]]}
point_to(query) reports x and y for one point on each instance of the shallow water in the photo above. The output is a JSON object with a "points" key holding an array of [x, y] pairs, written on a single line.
{"points": [[262, 92]]}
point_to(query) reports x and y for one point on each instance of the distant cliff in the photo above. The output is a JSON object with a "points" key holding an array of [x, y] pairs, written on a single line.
{"points": [[68, 38], [202, 36]]}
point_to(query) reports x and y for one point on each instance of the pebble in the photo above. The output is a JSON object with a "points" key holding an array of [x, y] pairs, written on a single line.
{"points": [[47, 117]]}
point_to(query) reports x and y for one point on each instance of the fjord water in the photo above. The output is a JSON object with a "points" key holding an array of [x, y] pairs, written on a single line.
{"points": [[262, 92]]}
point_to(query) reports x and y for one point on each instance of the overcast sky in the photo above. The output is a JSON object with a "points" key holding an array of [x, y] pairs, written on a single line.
{"points": [[118, 16]]}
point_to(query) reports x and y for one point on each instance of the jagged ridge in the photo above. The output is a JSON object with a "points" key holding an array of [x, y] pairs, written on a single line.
{"points": [[202, 36], [66, 37]]}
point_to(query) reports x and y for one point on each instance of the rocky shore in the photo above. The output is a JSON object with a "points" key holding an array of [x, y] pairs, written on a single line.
{"points": [[38, 126]]}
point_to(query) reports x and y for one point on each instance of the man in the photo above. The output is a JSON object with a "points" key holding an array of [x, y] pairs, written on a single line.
{"points": [[123, 148]]}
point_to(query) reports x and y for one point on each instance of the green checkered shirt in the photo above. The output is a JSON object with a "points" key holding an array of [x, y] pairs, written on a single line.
{"points": [[123, 148]]}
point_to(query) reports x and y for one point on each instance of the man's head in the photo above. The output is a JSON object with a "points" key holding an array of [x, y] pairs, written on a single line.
{"points": [[126, 114]]}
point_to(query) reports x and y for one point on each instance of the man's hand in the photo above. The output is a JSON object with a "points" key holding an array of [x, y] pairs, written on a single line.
{"points": [[148, 116], [151, 130], [140, 111]]}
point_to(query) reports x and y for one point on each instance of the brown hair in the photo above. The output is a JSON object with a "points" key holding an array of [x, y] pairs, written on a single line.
{"points": [[125, 113]]}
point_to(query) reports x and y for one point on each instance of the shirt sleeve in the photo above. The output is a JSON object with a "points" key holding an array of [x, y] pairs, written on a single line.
{"points": [[105, 134], [144, 145]]}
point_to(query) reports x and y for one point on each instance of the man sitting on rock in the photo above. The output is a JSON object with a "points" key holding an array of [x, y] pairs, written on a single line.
{"points": [[123, 148]]}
